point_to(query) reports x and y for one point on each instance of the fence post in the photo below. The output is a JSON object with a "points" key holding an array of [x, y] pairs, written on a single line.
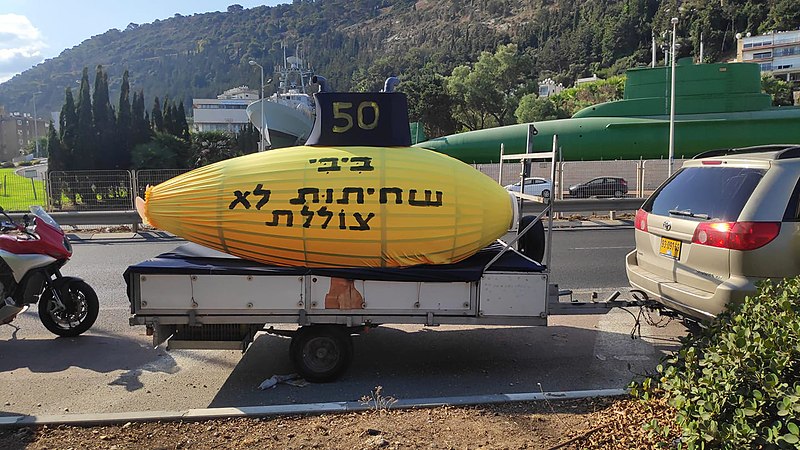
{"points": [[640, 178], [134, 194], [500, 170]]}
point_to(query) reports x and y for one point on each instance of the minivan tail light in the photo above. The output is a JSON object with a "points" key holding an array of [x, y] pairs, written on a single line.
{"points": [[736, 235], [640, 222]]}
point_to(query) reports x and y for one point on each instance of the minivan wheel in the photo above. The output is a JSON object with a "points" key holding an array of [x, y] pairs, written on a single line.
{"points": [[617, 194]]}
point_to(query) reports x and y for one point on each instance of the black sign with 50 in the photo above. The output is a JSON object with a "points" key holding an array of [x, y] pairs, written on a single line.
{"points": [[374, 119]]}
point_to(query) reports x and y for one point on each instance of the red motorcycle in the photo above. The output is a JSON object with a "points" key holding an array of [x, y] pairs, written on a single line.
{"points": [[31, 257]]}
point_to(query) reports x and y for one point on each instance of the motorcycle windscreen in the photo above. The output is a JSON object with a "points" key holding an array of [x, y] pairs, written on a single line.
{"points": [[335, 207]]}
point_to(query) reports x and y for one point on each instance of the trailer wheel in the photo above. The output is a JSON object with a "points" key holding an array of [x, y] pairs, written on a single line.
{"points": [[320, 353], [532, 243]]}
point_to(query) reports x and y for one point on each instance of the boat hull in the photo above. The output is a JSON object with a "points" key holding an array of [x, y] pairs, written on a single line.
{"points": [[287, 126], [335, 207], [716, 106], [604, 138]]}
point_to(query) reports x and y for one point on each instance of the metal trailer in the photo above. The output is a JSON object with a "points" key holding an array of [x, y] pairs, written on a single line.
{"points": [[200, 299]]}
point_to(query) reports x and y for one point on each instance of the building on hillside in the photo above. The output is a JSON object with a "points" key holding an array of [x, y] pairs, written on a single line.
{"points": [[17, 130], [590, 79], [548, 87], [224, 113], [778, 53]]}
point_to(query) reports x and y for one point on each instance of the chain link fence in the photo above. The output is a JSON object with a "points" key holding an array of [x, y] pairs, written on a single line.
{"points": [[655, 171], [90, 190], [152, 177], [101, 190], [641, 177]]}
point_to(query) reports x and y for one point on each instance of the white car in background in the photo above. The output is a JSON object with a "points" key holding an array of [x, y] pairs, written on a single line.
{"points": [[533, 186]]}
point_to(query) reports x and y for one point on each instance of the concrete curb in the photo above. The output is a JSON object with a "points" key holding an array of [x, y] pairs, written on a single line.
{"points": [[277, 410]]}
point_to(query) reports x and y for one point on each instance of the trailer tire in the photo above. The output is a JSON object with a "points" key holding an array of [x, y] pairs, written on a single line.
{"points": [[532, 243], [321, 353]]}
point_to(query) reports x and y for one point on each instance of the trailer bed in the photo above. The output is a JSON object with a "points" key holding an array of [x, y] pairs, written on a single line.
{"points": [[203, 298]]}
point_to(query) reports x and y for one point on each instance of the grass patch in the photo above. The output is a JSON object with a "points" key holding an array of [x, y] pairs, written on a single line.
{"points": [[18, 193]]}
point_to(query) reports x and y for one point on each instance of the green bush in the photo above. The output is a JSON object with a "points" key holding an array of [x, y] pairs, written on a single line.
{"points": [[7, 165], [737, 383]]}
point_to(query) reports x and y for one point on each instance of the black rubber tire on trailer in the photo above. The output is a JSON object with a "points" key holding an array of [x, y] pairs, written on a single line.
{"points": [[532, 243], [321, 353], [81, 313]]}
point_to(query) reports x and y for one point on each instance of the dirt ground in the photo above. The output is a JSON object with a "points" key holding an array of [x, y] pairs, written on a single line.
{"points": [[576, 424]]}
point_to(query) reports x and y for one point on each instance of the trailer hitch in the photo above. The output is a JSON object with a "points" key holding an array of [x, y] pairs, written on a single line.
{"points": [[638, 299]]}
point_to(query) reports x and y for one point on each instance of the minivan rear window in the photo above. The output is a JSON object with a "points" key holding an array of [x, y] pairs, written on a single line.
{"points": [[713, 192]]}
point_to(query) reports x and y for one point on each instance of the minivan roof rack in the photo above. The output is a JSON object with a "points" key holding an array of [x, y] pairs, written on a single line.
{"points": [[786, 151]]}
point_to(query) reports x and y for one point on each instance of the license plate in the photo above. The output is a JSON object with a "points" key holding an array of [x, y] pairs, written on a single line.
{"points": [[670, 247]]}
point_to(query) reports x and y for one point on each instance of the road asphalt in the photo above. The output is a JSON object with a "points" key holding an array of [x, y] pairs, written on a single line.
{"points": [[109, 234]]}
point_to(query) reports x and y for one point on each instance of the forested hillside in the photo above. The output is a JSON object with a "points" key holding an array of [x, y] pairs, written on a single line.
{"points": [[356, 44]]}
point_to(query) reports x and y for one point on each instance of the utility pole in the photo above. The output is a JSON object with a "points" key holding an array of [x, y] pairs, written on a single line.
{"points": [[672, 101]]}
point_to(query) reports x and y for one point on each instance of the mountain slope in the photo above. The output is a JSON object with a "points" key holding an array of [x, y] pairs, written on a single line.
{"points": [[357, 43]]}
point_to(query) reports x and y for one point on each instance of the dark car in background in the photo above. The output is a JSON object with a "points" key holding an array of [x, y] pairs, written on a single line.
{"points": [[600, 187]]}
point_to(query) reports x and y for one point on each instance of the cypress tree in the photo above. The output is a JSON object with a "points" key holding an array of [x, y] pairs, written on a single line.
{"points": [[56, 156], [169, 117], [140, 122], [124, 126], [158, 116], [83, 151], [182, 125], [104, 123], [68, 127]]}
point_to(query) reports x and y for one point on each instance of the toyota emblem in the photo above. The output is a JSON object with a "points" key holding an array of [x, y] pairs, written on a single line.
{"points": [[667, 225]]}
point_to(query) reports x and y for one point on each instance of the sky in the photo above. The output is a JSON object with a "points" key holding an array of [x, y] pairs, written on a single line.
{"points": [[34, 30]]}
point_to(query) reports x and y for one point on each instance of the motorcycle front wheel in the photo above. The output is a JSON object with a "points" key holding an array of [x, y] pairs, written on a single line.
{"points": [[80, 309]]}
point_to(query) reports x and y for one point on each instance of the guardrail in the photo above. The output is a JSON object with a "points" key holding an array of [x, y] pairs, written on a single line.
{"points": [[91, 217], [132, 217], [574, 205]]}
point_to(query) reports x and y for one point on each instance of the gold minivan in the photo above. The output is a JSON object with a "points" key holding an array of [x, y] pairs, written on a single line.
{"points": [[726, 219]]}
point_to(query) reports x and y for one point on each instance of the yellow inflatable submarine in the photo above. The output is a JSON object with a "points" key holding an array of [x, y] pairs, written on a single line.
{"points": [[337, 205]]}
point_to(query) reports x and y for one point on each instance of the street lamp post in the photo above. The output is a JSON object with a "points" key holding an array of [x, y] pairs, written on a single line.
{"points": [[263, 119], [35, 127], [672, 100]]}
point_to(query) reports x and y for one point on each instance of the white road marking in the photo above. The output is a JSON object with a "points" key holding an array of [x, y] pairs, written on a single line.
{"points": [[600, 248]]}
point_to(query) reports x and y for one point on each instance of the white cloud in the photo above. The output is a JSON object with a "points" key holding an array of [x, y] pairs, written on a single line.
{"points": [[21, 45]]}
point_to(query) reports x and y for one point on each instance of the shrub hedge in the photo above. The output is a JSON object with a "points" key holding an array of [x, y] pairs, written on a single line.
{"points": [[736, 384]]}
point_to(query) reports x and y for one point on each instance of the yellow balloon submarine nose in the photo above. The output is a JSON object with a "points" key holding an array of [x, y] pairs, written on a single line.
{"points": [[327, 204]]}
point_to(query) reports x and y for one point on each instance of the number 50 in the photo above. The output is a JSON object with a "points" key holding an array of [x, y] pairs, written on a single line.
{"points": [[340, 112]]}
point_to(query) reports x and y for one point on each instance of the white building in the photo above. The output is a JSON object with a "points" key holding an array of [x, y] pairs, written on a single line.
{"points": [[777, 53], [224, 113], [548, 87], [590, 79]]}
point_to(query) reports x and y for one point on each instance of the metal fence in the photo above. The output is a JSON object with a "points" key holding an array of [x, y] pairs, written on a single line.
{"points": [[116, 190], [101, 190], [152, 177], [642, 176]]}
